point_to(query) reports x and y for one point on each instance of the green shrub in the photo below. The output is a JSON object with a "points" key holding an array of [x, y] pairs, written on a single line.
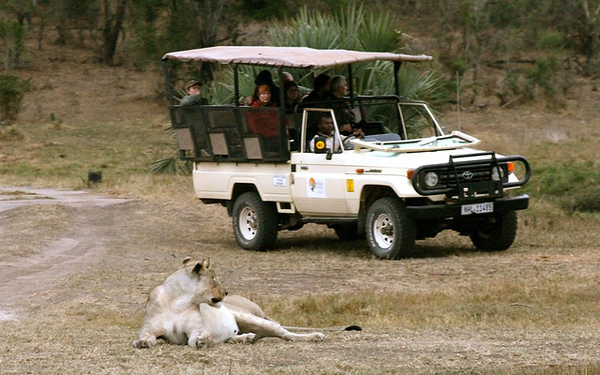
{"points": [[575, 187], [12, 90]]}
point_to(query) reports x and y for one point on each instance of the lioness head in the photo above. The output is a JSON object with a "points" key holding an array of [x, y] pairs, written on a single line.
{"points": [[204, 283]]}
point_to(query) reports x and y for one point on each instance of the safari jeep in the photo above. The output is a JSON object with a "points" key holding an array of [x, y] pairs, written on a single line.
{"points": [[406, 179]]}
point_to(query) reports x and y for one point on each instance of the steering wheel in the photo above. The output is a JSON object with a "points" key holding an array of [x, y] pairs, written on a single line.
{"points": [[348, 138]]}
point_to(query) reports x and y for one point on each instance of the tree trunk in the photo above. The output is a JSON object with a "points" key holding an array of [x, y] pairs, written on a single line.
{"points": [[113, 25]]}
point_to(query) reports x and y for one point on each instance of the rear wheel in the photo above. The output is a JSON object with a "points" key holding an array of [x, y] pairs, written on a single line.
{"points": [[498, 233], [390, 231], [254, 222]]}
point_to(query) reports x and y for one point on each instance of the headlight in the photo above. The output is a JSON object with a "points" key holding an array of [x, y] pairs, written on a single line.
{"points": [[497, 173], [431, 179]]}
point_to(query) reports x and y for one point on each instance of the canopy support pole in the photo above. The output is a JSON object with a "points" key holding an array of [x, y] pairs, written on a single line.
{"points": [[397, 65], [236, 85], [350, 82]]}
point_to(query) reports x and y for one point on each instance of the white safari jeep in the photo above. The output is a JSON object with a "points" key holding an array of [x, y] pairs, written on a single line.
{"points": [[405, 180]]}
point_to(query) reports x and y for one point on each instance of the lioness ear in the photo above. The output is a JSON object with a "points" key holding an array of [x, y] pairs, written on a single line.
{"points": [[201, 266], [186, 260], [197, 269]]}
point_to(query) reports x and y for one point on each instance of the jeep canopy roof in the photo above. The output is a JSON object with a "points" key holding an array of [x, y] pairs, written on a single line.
{"points": [[291, 57]]}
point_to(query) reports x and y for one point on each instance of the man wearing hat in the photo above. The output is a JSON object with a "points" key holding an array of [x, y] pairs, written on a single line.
{"points": [[194, 94]]}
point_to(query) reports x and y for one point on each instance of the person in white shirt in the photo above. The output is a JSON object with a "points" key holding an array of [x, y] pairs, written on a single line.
{"points": [[325, 129]]}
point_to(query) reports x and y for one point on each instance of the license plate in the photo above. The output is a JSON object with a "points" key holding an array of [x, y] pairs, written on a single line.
{"points": [[477, 208]]}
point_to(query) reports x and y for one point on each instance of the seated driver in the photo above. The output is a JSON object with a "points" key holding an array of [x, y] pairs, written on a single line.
{"points": [[325, 130]]}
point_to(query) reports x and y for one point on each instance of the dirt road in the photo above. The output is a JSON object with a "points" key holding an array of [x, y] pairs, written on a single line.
{"points": [[22, 275]]}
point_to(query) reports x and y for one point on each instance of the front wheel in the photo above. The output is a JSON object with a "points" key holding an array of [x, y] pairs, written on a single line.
{"points": [[498, 233], [254, 222], [390, 231]]}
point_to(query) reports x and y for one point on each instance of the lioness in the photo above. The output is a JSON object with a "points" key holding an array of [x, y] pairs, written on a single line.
{"points": [[191, 306]]}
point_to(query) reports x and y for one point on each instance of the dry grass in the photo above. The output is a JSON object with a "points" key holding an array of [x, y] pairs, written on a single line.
{"points": [[452, 310]]}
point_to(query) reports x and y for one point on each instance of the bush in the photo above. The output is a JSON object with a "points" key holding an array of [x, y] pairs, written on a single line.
{"points": [[12, 90], [12, 36], [575, 186]]}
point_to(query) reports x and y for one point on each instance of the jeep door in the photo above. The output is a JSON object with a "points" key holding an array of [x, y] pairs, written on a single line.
{"points": [[319, 185]]}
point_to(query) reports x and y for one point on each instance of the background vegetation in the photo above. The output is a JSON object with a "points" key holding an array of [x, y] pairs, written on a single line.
{"points": [[521, 52]]}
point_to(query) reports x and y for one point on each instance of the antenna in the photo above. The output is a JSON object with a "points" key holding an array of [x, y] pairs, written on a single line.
{"points": [[458, 98]]}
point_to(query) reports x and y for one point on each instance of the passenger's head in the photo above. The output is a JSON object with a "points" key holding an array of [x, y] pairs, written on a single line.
{"points": [[291, 90], [338, 86], [287, 77], [264, 78], [193, 88], [325, 124], [263, 93], [321, 83]]}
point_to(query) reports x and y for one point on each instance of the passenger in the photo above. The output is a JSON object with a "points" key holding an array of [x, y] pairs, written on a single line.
{"points": [[325, 129], [264, 97], [292, 95], [287, 77], [321, 87], [338, 89], [194, 94], [264, 78]]}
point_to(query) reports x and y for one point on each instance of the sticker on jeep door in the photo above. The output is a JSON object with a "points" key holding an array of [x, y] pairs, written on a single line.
{"points": [[315, 188], [279, 180]]}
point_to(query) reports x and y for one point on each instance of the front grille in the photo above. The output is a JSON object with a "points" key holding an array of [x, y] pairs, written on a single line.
{"points": [[463, 177]]}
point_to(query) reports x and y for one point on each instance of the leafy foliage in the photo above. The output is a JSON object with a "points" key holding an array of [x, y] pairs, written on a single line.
{"points": [[575, 186], [357, 29]]}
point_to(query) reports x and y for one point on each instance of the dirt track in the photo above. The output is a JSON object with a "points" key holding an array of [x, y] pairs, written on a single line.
{"points": [[22, 276]]}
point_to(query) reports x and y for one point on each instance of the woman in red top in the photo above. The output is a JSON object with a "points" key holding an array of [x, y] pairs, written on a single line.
{"points": [[263, 97]]}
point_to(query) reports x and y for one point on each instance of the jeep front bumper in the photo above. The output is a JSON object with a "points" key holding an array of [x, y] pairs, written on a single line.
{"points": [[446, 210]]}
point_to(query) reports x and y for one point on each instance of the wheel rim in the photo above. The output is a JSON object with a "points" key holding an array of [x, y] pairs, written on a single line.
{"points": [[248, 223], [383, 231]]}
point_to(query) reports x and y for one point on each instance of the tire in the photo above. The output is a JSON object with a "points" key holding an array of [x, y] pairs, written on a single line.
{"points": [[390, 231], [498, 234], [254, 222]]}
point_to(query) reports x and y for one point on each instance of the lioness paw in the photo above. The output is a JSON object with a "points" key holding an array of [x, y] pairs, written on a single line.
{"points": [[318, 337], [201, 342], [141, 344]]}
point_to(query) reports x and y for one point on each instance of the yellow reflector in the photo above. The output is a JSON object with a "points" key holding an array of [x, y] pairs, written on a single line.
{"points": [[350, 186]]}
